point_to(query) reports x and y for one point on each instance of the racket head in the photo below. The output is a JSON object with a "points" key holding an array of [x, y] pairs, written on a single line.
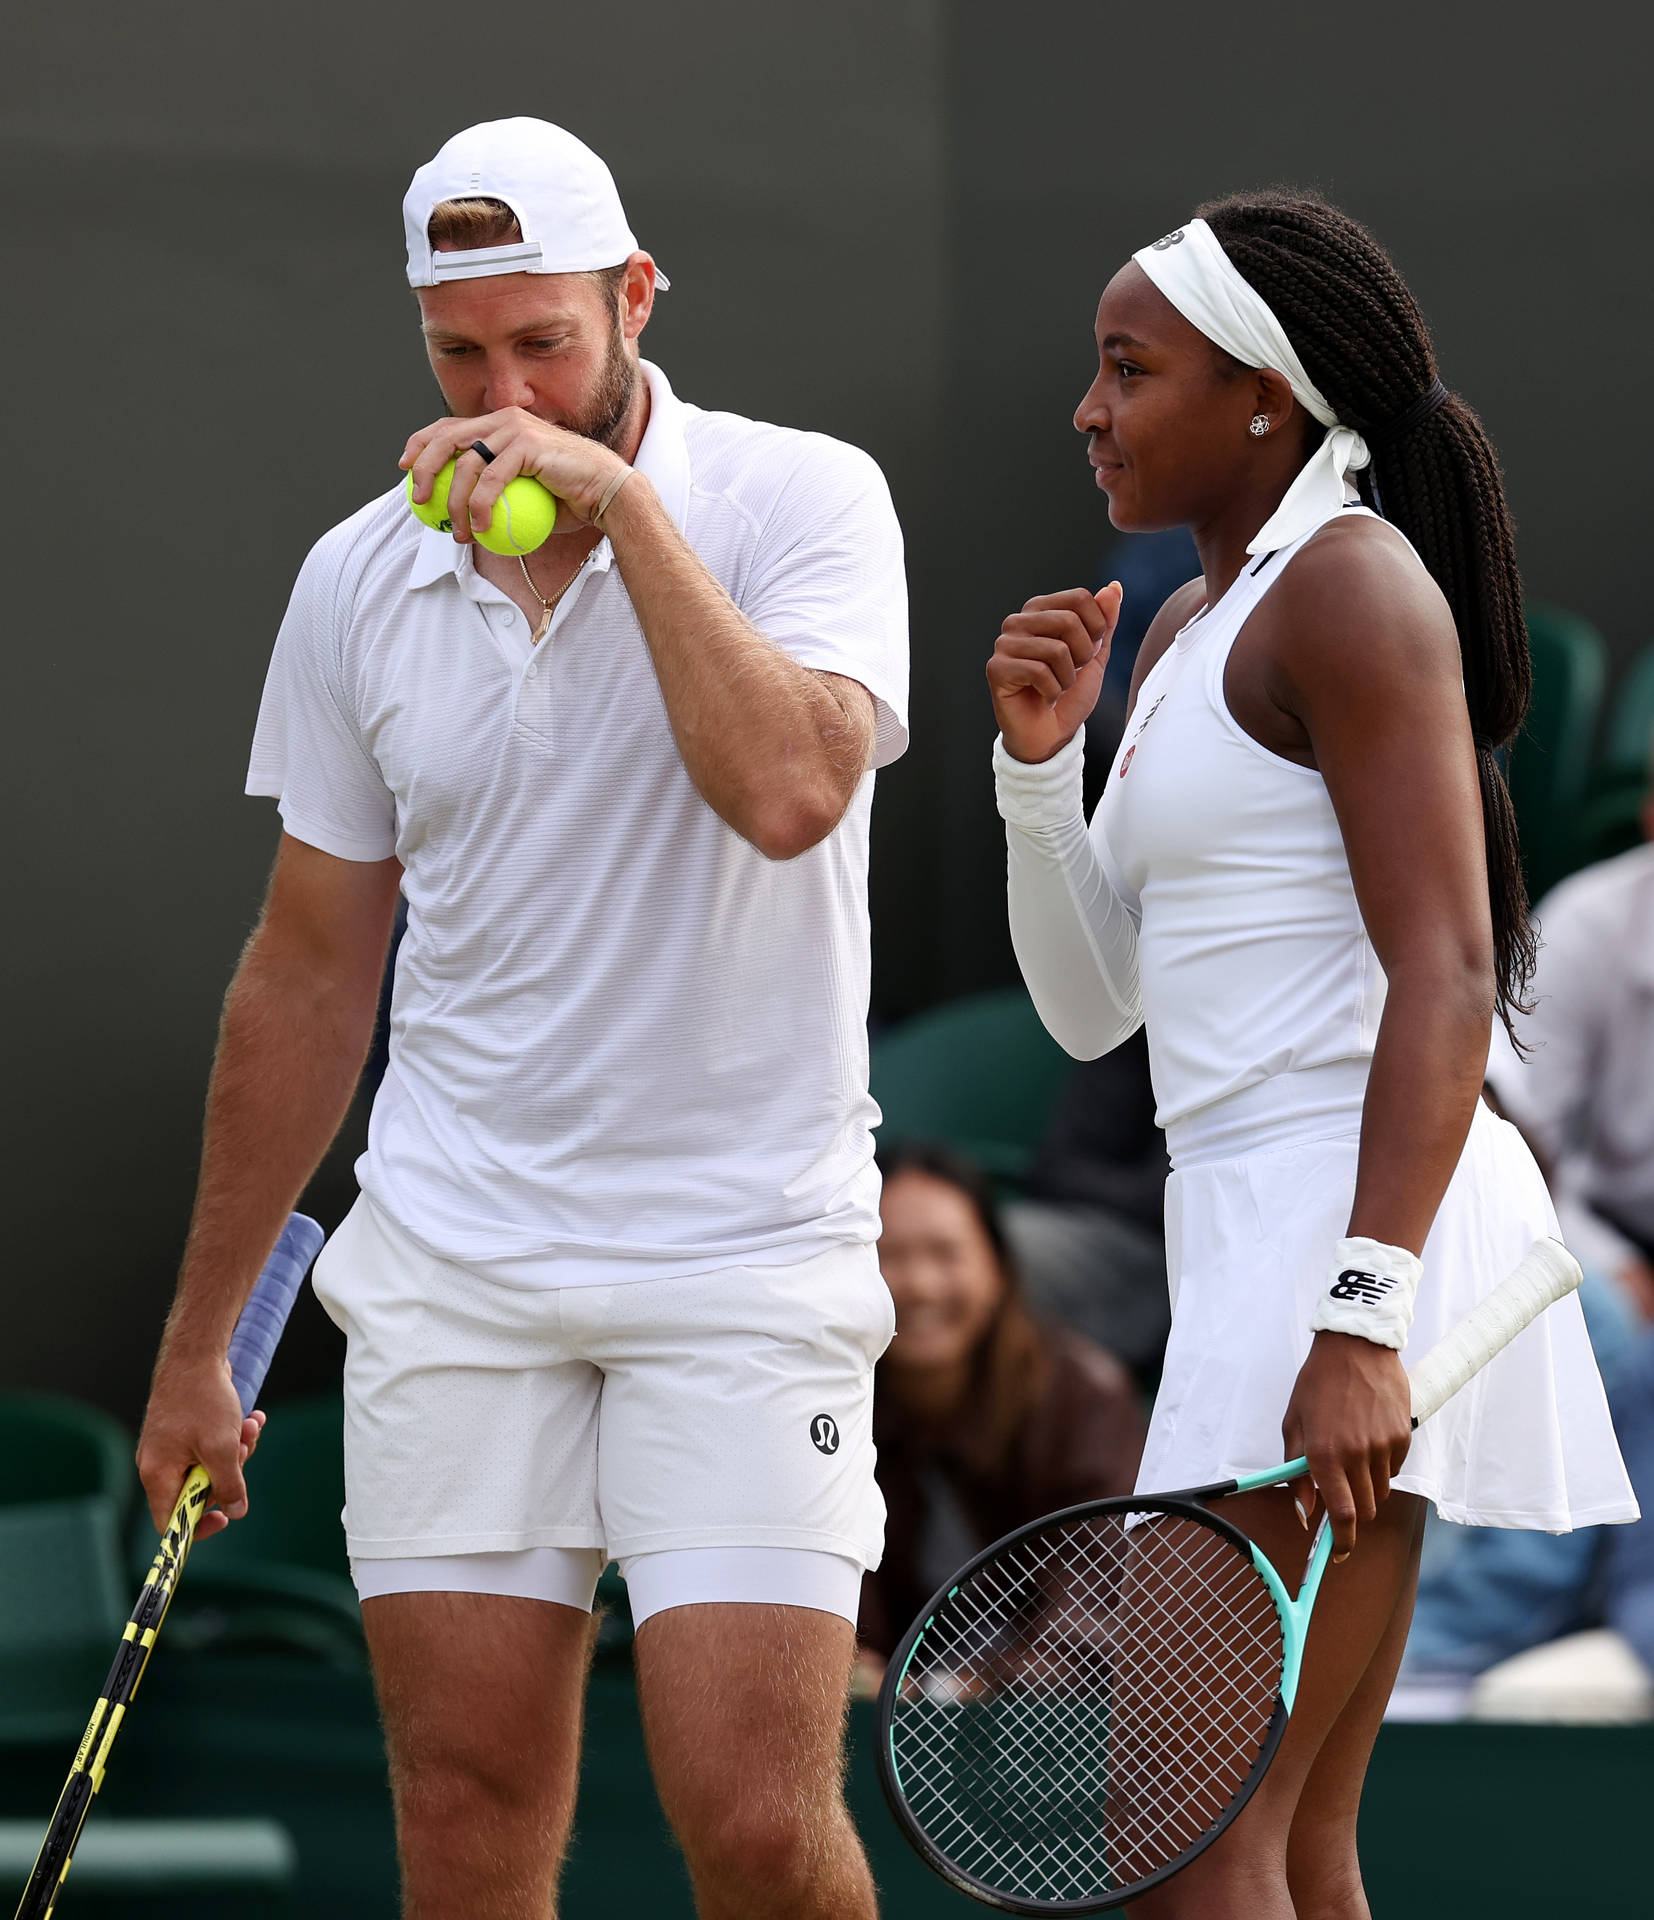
{"points": [[1022, 1748]]}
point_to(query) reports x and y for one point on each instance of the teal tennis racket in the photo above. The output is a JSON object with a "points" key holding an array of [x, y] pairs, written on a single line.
{"points": [[1087, 1705]]}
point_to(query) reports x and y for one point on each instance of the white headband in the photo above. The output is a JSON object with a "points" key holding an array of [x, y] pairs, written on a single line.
{"points": [[1192, 270]]}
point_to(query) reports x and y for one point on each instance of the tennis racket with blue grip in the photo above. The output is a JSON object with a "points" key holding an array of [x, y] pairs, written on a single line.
{"points": [[252, 1347], [1089, 1703]]}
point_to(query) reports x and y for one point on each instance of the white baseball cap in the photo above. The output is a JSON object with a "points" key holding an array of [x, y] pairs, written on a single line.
{"points": [[564, 197]]}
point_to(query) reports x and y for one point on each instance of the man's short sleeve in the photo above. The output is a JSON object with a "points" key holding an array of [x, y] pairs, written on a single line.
{"points": [[308, 753], [827, 583]]}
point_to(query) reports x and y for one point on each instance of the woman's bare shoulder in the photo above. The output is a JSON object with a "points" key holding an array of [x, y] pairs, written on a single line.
{"points": [[1360, 566], [1358, 604]]}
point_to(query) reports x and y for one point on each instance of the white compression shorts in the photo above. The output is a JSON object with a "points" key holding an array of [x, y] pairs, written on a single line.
{"points": [[684, 1577]]}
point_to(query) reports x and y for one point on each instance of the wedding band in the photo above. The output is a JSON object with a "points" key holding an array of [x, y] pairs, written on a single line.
{"points": [[486, 452]]}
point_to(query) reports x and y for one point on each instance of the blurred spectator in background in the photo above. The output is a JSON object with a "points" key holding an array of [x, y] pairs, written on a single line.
{"points": [[1090, 1237], [983, 1417], [1562, 1626], [1628, 1552], [1488, 1596], [1585, 1093]]}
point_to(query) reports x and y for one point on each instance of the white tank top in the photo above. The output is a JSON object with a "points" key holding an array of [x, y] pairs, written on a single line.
{"points": [[1261, 991]]}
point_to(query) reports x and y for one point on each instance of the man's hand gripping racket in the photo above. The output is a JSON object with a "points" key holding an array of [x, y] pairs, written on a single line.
{"points": [[252, 1346], [1088, 1703]]}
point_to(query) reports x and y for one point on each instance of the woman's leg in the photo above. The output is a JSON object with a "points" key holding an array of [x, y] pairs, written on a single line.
{"points": [[1354, 1646], [1322, 1867]]}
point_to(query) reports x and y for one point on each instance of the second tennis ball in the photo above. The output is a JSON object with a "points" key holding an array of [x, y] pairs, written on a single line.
{"points": [[524, 514]]}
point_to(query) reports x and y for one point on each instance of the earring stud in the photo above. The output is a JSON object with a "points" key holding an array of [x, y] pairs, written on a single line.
{"points": [[1259, 426]]}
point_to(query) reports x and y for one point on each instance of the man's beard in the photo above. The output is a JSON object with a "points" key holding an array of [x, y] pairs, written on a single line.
{"points": [[605, 415]]}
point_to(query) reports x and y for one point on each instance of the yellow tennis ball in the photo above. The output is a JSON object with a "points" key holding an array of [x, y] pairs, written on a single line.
{"points": [[524, 514], [434, 512]]}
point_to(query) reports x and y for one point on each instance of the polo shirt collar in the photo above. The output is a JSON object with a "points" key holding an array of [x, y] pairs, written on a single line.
{"points": [[663, 455], [664, 452]]}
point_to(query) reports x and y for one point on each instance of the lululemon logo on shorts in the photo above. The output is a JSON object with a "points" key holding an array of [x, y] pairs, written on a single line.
{"points": [[1168, 240], [824, 1433]]}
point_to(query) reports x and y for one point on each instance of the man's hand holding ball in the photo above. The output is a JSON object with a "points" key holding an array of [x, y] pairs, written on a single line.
{"points": [[579, 472], [1047, 668]]}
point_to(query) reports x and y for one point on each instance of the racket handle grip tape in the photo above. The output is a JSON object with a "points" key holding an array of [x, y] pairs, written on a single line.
{"points": [[253, 1344], [1547, 1273]]}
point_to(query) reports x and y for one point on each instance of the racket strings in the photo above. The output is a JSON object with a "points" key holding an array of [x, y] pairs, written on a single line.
{"points": [[1085, 1707]]}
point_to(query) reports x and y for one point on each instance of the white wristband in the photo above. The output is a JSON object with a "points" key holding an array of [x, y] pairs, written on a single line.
{"points": [[1370, 1293], [1037, 794]]}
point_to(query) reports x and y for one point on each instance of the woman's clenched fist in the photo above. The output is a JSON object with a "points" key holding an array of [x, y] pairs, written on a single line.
{"points": [[1047, 668]]}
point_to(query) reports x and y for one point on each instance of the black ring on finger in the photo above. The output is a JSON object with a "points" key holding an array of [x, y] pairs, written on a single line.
{"points": [[486, 452]]}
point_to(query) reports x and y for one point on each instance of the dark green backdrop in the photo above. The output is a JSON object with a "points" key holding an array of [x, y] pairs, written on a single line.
{"points": [[887, 218]]}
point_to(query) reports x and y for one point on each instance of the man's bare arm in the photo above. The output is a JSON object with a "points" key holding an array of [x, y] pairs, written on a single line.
{"points": [[297, 1023], [774, 749]]}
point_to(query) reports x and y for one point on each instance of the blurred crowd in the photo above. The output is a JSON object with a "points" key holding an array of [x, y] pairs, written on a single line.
{"points": [[1031, 1322]]}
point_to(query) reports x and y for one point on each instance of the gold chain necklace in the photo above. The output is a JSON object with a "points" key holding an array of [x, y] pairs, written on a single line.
{"points": [[547, 607]]}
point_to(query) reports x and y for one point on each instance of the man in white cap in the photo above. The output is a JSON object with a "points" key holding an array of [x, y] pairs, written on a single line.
{"points": [[610, 1291]]}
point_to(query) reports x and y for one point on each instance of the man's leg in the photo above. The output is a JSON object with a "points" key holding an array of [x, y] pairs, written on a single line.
{"points": [[735, 1480], [743, 1709], [481, 1696]]}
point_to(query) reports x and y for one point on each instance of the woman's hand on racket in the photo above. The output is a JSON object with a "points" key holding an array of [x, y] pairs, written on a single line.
{"points": [[1047, 668], [1351, 1416]]}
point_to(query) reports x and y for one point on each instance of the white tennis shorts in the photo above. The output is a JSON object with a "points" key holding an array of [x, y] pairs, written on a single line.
{"points": [[715, 1411]]}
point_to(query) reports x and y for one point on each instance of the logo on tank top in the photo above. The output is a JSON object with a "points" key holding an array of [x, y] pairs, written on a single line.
{"points": [[824, 1433], [1168, 240], [1353, 1284], [1147, 717]]}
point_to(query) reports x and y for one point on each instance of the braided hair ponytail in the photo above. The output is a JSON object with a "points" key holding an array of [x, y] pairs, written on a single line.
{"points": [[1364, 343]]}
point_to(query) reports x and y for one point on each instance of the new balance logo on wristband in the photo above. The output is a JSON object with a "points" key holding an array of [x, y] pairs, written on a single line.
{"points": [[1371, 1292], [1352, 1284]]}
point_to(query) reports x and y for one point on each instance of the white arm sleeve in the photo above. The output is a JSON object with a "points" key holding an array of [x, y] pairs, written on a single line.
{"points": [[1075, 935]]}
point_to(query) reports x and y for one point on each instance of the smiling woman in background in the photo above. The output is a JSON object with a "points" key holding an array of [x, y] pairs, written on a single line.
{"points": [[983, 1418]]}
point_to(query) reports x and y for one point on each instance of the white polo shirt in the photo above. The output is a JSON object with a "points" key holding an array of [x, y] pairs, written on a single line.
{"points": [[624, 1043]]}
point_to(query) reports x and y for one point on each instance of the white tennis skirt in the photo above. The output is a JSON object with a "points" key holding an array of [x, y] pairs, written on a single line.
{"points": [[1528, 1443]]}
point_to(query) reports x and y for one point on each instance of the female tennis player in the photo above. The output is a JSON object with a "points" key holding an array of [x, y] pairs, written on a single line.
{"points": [[1303, 877]]}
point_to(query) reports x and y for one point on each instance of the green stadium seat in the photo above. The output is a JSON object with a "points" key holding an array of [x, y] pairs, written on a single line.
{"points": [[53, 1448], [262, 1606], [1551, 758], [1610, 822], [1628, 734], [66, 1479], [980, 1074], [296, 1488], [63, 1601]]}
